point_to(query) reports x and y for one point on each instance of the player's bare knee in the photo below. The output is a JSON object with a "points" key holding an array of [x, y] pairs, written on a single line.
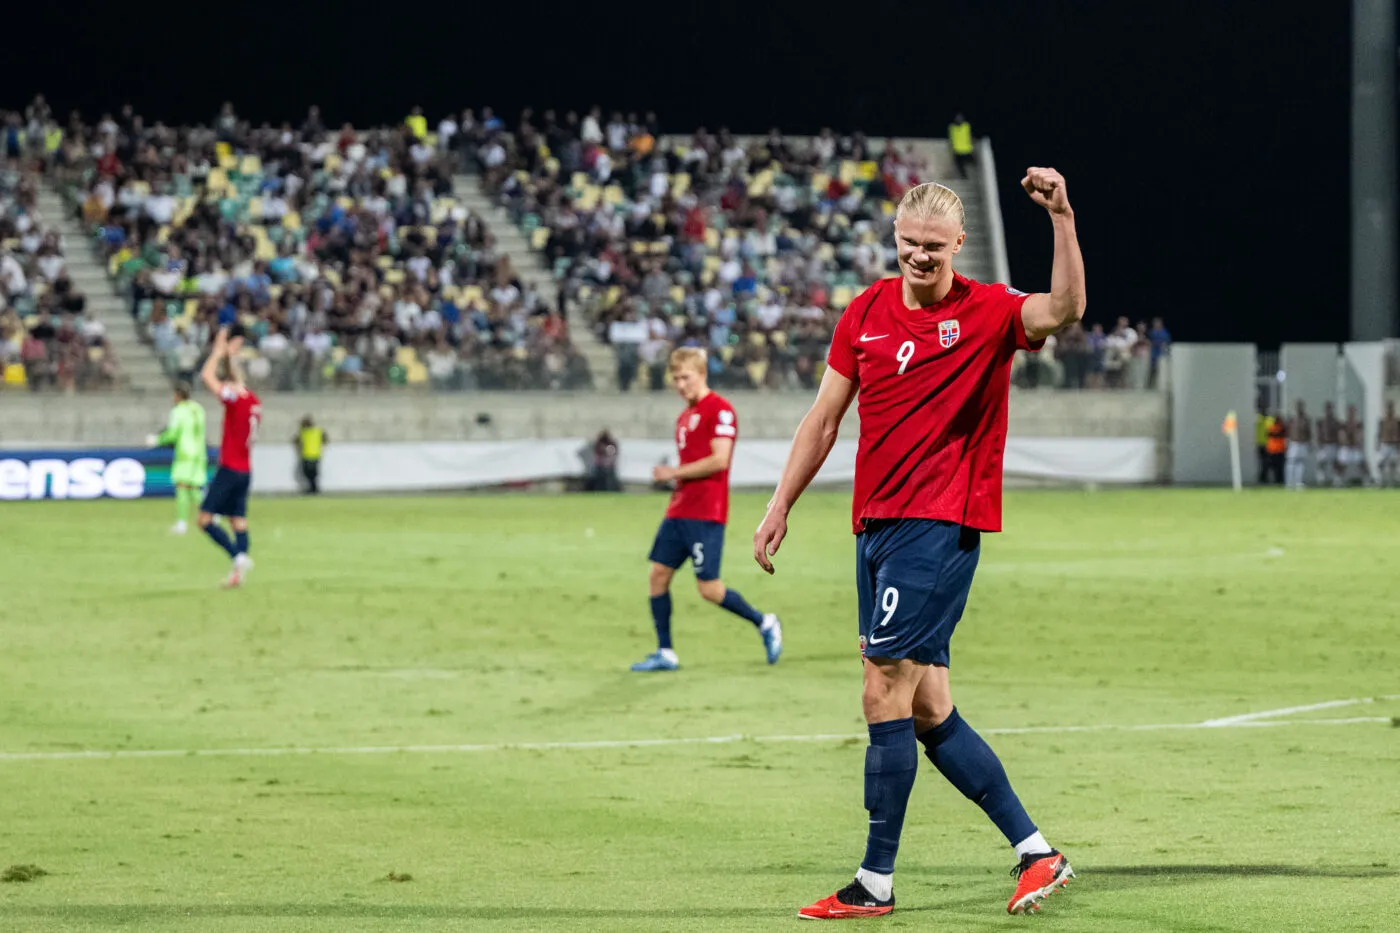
{"points": [[888, 691], [930, 712], [238, 524], [660, 579], [712, 590], [205, 519]]}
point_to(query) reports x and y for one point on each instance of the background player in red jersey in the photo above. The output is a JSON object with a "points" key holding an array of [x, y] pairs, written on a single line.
{"points": [[693, 528], [228, 492], [929, 353]]}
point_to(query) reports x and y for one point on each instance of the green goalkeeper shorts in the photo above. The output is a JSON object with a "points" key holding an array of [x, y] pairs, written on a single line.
{"points": [[189, 472]]}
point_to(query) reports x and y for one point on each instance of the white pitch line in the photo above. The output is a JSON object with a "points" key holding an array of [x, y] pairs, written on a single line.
{"points": [[1290, 710], [629, 743]]}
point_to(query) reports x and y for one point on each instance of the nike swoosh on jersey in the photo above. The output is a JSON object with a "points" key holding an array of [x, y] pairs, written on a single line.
{"points": [[865, 338], [881, 641]]}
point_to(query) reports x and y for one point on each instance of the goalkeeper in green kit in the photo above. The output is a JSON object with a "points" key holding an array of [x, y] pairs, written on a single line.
{"points": [[190, 471]]}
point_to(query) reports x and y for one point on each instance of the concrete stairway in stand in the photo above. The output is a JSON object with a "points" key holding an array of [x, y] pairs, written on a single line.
{"points": [[138, 368], [529, 266]]}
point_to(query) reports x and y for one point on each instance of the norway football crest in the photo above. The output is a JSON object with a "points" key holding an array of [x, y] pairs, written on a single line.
{"points": [[947, 333], [694, 421]]}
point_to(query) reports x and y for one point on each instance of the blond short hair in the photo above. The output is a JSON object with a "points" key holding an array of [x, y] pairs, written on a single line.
{"points": [[689, 357], [932, 200]]}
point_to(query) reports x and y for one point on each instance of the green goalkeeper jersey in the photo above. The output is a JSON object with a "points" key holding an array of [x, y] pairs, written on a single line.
{"points": [[186, 433]]}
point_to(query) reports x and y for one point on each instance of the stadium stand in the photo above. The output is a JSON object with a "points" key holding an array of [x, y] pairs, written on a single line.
{"points": [[342, 255], [461, 259], [49, 337]]}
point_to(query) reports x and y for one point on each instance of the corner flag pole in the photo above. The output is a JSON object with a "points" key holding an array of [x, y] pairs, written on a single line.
{"points": [[1231, 430]]}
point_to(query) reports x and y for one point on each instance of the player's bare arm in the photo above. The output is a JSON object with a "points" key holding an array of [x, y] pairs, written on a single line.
{"points": [[721, 452], [235, 368], [810, 446], [1044, 314], [210, 373]]}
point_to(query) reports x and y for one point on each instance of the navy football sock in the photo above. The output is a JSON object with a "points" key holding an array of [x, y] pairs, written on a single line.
{"points": [[740, 607], [240, 541], [221, 538], [891, 762], [971, 766], [661, 618]]}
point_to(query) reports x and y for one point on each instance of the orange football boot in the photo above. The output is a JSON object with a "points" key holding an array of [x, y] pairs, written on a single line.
{"points": [[850, 902], [1037, 877]]}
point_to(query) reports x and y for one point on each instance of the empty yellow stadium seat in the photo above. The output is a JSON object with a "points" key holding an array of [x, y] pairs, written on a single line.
{"points": [[405, 356], [473, 294], [250, 165], [415, 373], [841, 295], [15, 376], [539, 237]]}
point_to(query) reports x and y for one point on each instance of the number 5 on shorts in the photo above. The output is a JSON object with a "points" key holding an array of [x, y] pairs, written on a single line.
{"points": [[697, 554]]}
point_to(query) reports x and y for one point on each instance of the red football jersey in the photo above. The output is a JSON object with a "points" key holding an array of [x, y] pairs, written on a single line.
{"points": [[933, 386], [705, 499], [242, 412]]}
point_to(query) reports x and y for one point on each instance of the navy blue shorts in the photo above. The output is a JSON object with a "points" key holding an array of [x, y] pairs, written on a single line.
{"points": [[227, 494], [688, 539], [912, 578]]}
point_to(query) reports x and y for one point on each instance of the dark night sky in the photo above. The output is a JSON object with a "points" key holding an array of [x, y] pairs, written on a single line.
{"points": [[1206, 151]]}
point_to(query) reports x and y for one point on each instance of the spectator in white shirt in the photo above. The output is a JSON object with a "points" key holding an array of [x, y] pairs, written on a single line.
{"points": [[317, 342], [161, 208], [447, 128], [591, 132]]}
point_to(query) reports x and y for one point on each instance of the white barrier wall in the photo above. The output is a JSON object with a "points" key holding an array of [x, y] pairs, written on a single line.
{"points": [[34, 419], [410, 467]]}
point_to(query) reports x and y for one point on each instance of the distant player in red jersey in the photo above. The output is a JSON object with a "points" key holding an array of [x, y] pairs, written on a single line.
{"points": [[228, 491], [928, 354], [693, 529]]}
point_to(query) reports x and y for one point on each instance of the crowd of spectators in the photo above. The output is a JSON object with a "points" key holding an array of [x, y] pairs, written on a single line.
{"points": [[341, 254], [748, 248], [344, 258], [1126, 357], [47, 340]]}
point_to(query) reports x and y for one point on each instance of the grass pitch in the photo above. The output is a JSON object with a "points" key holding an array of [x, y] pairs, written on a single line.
{"points": [[491, 621]]}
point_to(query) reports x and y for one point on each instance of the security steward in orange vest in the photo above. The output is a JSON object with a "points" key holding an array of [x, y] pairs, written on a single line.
{"points": [[1275, 446]]}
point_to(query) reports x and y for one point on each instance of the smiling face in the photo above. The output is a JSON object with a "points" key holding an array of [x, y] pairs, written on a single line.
{"points": [[926, 246]]}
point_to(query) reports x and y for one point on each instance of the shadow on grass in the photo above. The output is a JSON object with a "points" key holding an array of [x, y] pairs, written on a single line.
{"points": [[1092, 878]]}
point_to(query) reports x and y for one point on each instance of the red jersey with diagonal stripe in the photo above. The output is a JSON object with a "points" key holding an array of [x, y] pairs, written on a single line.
{"points": [[933, 385], [242, 412]]}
